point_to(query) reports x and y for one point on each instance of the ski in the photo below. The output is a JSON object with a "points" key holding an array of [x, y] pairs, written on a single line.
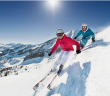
{"points": [[37, 85], [57, 74]]}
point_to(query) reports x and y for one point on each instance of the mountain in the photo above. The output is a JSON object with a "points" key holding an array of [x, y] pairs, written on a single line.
{"points": [[14, 56], [87, 74]]}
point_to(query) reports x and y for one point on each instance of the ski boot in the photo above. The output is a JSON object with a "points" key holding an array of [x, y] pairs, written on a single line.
{"points": [[60, 69]]}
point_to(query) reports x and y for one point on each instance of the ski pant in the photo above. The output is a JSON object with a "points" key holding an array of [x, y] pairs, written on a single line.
{"points": [[63, 58], [84, 41]]}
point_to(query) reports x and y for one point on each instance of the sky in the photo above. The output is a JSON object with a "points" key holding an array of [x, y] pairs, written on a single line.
{"points": [[34, 22]]}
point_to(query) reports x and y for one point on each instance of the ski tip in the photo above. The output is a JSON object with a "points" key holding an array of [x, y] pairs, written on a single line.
{"points": [[49, 87], [35, 88]]}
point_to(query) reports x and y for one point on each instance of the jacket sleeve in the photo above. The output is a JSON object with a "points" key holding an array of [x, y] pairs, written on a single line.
{"points": [[92, 33], [55, 47], [75, 43], [78, 34]]}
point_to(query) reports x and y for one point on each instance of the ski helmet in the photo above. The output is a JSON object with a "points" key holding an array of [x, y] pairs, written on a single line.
{"points": [[60, 31], [84, 25]]}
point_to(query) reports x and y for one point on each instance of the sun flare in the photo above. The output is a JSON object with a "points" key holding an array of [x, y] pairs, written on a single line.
{"points": [[53, 3]]}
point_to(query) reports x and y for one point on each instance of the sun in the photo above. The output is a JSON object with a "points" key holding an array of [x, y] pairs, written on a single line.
{"points": [[53, 3]]}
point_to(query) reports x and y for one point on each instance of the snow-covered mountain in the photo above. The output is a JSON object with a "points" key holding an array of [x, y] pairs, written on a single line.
{"points": [[87, 74], [13, 57]]}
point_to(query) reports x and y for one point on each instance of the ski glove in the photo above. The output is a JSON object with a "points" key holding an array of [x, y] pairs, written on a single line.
{"points": [[50, 54], [93, 39], [78, 51], [74, 38]]}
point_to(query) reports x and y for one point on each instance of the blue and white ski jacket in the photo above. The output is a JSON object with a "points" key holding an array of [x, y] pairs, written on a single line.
{"points": [[86, 34]]}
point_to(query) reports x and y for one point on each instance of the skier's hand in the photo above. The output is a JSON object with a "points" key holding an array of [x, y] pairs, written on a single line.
{"points": [[78, 51], [93, 39], [74, 38], [50, 54]]}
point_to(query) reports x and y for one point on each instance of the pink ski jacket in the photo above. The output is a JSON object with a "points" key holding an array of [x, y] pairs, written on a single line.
{"points": [[66, 44]]}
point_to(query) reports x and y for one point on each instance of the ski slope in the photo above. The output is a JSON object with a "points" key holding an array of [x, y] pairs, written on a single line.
{"points": [[87, 74]]}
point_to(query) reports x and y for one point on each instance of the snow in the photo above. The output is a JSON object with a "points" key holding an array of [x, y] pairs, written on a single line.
{"points": [[86, 74]]}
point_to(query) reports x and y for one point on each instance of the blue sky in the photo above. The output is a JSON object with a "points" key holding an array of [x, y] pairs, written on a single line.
{"points": [[34, 22]]}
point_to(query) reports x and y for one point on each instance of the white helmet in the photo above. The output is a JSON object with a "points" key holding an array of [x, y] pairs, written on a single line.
{"points": [[84, 24], [60, 31]]}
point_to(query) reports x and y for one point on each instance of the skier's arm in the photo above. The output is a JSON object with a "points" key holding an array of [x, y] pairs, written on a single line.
{"points": [[78, 34], [75, 43], [92, 33], [55, 47]]}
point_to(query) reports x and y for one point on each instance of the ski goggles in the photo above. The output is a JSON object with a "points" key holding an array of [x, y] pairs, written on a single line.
{"points": [[84, 27], [59, 34]]}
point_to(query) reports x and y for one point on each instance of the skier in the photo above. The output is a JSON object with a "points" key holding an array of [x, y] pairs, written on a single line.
{"points": [[87, 34], [67, 49]]}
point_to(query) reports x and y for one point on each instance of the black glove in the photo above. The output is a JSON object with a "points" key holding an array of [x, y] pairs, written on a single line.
{"points": [[50, 54], [74, 38], [93, 39], [78, 51]]}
